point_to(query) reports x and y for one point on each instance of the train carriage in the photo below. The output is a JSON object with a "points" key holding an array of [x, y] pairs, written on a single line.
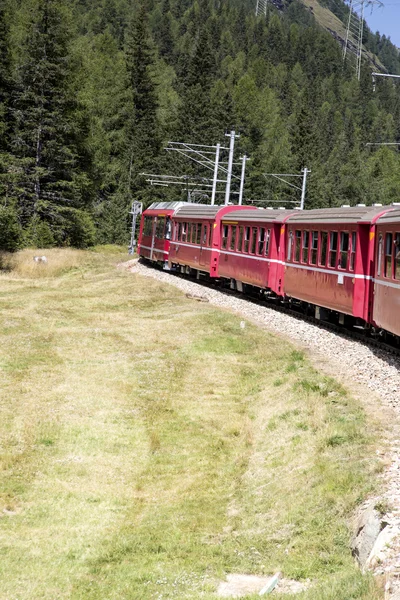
{"points": [[330, 260], [196, 237], [155, 231], [386, 282], [251, 248]]}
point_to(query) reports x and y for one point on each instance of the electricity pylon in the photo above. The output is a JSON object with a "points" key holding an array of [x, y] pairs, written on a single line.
{"points": [[355, 29], [261, 8]]}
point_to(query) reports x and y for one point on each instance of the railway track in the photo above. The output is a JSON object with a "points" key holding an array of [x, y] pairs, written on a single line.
{"points": [[297, 313]]}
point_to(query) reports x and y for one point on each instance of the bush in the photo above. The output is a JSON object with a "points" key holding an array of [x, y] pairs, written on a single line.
{"points": [[68, 227], [10, 230], [81, 230]]}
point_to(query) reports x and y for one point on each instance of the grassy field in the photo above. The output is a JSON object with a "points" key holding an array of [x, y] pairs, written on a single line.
{"points": [[149, 445]]}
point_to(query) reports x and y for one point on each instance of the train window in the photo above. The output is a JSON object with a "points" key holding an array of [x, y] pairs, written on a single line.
{"points": [[254, 240], [267, 238], [397, 256], [314, 247], [224, 236], [246, 239], [388, 254], [198, 233], [240, 240], [344, 249], [324, 247], [184, 231], [209, 235], [233, 238], [333, 242], [380, 247], [298, 246], [290, 245], [204, 238], [261, 240], [353, 250], [305, 246], [168, 229], [160, 230], [148, 226]]}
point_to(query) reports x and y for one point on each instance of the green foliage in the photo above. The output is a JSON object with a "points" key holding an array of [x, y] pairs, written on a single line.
{"points": [[10, 230], [38, 234], [90, 92]]}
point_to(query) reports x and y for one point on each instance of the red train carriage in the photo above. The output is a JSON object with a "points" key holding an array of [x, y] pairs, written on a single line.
{"points": [[386, 310], [251, 248], [196, 237], [330, 260], [155, 231]]}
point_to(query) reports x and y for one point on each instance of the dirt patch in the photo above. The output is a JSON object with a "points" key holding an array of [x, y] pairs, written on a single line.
{"points": [[239, 585]]}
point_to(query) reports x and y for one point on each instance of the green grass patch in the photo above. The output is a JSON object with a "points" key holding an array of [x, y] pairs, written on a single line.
{"points": [[150, 446]]}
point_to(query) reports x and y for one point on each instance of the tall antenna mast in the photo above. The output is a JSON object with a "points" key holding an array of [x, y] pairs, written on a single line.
{"points": [[354, 31]]}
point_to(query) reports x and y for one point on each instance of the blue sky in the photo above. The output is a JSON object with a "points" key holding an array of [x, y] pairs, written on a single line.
{"points": [[386, 20]]}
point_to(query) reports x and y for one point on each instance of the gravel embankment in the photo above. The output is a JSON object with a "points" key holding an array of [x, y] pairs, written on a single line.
{"points": [[373, 369]]}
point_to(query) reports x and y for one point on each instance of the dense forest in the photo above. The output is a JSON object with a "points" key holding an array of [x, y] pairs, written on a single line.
{"points": [[91, 91]]}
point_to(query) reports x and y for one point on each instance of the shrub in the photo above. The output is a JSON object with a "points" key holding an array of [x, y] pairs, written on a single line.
{"points": [[10, 230]]}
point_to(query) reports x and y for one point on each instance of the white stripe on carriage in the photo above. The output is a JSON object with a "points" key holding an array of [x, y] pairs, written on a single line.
{"points": [[195, 246], [154, 249], [328, 271], [285, 264], [390, 284]]}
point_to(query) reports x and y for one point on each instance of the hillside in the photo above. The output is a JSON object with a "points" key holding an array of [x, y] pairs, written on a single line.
{"points": [[91, 92]]}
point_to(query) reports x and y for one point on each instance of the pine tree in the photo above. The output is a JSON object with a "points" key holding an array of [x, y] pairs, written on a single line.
{"points": [[10, 230], [48, 129], [196, 117], [143, 128], [5, 79], [165, 37]]}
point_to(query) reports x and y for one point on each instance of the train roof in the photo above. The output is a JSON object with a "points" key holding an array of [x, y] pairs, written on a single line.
{"points": [[392, 216], [166, 205], [344, 214], [261, 215], [198, 211]]}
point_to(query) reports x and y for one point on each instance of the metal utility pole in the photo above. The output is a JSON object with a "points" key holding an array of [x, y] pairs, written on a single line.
{"points": [[137, 209], [305, 172], [244, 159], [208, 157], [215, 179], [230, 163], [302, 189]]}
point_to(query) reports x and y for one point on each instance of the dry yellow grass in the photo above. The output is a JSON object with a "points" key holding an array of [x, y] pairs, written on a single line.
{"points": [[59, 260], [149, 445]]}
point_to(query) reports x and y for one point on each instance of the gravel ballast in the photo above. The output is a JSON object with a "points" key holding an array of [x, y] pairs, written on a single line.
{"points": [[373, 369]]}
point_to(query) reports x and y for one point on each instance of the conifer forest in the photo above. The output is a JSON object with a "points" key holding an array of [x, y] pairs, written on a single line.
{"points": [[91, 91]]}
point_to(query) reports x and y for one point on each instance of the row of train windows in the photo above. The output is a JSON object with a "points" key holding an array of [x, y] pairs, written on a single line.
{"points": [[251, 240], [391, 263], [327, 249], [193, 233], [160, 226]]}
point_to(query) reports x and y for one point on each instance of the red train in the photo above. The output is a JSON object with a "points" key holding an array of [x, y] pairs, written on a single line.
{"points": [[341, 264]]}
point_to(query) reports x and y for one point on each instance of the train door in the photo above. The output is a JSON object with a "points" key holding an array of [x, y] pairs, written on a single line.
{"points": [[153, 236]]}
